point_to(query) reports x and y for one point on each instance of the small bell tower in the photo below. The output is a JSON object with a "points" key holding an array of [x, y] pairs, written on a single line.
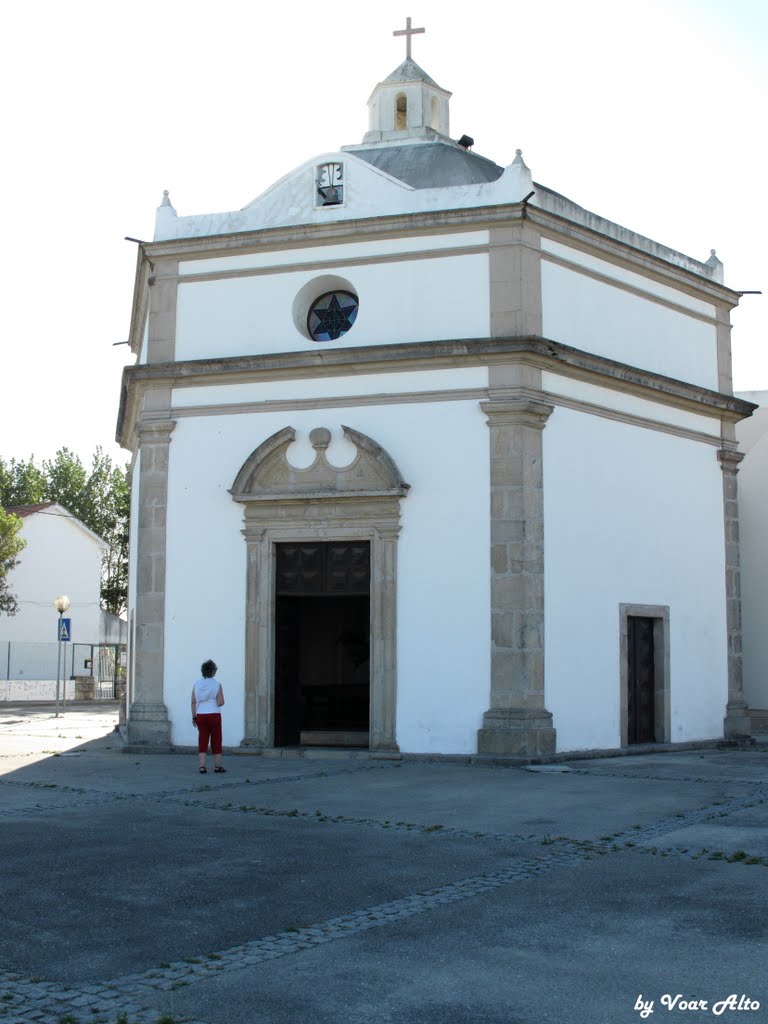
{"points": [[408, 104]]}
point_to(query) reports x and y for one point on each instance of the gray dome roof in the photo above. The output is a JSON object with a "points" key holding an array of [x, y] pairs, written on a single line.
{"points": [[432, 165]]}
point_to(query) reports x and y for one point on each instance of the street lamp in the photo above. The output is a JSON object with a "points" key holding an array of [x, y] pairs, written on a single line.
{"points": [[61, 604]]}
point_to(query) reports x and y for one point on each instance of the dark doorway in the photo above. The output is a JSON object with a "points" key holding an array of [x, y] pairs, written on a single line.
{"points": [[322, 676], [641, 680]]}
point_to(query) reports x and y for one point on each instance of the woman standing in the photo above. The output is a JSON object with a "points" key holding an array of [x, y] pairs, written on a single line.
{"points": [[207, 698]]}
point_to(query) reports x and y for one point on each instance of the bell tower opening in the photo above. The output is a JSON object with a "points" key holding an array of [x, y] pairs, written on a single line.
{"points": [[435, 110], [401, 112]]}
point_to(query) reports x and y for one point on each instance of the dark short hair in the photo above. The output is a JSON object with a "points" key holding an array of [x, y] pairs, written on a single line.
{"points": [[208, 668]]}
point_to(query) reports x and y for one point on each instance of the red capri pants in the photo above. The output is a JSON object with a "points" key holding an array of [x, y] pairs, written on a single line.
{"points": [[209, 728]]}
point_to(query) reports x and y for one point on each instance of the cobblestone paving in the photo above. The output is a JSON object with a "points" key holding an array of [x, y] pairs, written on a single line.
{"points": [[33, 1000]]}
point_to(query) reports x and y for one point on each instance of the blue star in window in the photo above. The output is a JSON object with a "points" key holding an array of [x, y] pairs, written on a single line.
{"points": [[332, 315]]}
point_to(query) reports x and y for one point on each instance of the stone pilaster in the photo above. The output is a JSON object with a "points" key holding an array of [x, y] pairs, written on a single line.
{"points": [[383, 717], [162, 311], [724, 366], [259, 618], [517, 722], [737, 722], [148, 724], [515, 281]]}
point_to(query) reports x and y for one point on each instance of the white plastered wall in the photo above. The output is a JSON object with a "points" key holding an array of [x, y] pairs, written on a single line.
{"points": [[631, 516], [618, 404], [606, 319], [252, 315], [332, 388], [441, 449], [752, 434]]}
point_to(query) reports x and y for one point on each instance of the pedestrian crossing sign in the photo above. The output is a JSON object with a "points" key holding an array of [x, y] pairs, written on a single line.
{"points": [[65, 629]]}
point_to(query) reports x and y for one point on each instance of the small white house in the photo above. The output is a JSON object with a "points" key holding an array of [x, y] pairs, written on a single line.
{"points": [[61, 556]]}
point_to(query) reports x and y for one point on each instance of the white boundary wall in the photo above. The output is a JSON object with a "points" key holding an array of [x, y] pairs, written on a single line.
{"points": [[35, 689]]}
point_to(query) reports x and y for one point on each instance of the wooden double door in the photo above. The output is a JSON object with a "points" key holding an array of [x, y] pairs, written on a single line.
{"points": [[322, 651]]}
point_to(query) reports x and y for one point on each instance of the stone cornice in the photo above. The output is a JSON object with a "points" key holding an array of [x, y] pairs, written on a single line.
{"points": [[289, 406], [538, 352], [606, 239], [342, 233], [635, 250]]}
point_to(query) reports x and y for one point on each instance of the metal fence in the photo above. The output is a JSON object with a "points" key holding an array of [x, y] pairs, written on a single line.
{"points": [[38, 663], [109, 662]]}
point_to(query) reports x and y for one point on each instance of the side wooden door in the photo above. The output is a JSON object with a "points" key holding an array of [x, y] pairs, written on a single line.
{"points": [[641, 681]]}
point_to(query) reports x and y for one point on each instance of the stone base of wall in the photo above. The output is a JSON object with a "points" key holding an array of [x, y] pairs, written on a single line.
{"points": [[148, 727], [737, 722], [517, 732]]}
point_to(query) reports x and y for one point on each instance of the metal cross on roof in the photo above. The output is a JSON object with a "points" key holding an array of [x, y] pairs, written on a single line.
{"points": [[408, 32]]}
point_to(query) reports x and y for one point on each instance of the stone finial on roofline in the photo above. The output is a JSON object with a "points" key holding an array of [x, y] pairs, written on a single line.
{"points": [[519, 159], [715, 266], [517, 181], [166, 207], [164, 217]]}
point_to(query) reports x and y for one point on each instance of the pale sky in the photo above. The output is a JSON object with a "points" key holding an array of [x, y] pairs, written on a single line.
{"points": [[652, 114]]}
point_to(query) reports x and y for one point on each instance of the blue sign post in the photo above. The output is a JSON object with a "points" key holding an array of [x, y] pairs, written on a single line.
{"points": [[63, 634]]}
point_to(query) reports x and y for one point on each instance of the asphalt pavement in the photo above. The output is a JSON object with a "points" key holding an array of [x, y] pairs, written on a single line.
{"points": [[349, 890]]}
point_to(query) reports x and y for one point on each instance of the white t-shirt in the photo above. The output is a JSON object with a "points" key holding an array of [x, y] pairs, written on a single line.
{"points": [[205, 694]]}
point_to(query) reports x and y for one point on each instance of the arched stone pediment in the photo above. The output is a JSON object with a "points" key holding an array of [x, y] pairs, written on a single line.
{"points": [[268, 476]]}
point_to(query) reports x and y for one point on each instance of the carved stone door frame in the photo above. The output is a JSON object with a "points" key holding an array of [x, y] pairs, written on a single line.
{"points": [[321, 503]]}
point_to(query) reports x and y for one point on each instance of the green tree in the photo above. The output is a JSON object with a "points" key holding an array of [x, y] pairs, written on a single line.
{"points": [[21, 483], [99, 498], [66, 483], [11, 544], [105, 507]]}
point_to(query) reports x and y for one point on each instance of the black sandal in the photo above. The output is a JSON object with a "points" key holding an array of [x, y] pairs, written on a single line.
{"points": [[203, 771], [219, 769]]}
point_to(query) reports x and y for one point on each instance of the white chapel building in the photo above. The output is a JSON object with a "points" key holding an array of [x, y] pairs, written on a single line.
{"points": [[430, 459]]}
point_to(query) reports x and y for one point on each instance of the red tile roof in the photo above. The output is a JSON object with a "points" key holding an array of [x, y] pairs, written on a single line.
{"points": [[22, 511]]}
